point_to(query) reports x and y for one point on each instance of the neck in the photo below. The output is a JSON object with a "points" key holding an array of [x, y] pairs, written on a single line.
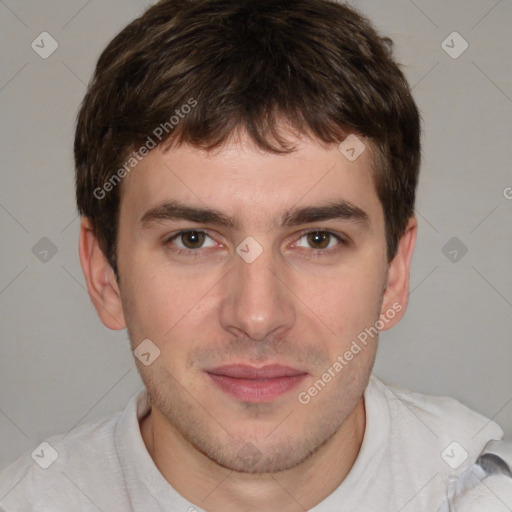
{"points": [[214, 488]]}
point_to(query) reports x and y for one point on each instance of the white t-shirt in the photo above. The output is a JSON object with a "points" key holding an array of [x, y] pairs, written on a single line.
{"points": [[413, 445]]}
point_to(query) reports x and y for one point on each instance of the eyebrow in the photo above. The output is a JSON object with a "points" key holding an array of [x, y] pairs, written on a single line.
{"points": [[175, 210]]}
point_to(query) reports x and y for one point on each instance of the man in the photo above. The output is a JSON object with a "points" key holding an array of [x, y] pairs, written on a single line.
{"points": [[246, 175]]}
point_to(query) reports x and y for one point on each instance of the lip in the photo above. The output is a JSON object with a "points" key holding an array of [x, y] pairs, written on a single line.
{"points": [[253, 384]]}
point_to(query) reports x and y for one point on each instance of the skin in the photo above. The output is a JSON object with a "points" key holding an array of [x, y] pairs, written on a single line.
{"points": [[289, 306]]}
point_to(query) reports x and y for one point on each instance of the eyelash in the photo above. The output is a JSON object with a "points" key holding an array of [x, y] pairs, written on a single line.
{"points": [[317, 252]]}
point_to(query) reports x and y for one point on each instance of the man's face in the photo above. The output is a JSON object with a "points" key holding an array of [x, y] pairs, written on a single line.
{"points": [[300, 303]]}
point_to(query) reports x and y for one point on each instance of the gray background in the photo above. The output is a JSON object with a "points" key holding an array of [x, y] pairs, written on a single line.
{"points": [[60, 367]]}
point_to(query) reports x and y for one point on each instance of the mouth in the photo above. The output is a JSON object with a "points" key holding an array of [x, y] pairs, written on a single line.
{"points": [[253, 384]]}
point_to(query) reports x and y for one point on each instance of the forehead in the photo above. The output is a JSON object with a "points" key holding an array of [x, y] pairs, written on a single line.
{"points": [[250, 185]]}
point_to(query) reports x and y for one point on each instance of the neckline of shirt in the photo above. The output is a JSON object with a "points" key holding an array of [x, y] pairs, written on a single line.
{"points": [[142, 473]]}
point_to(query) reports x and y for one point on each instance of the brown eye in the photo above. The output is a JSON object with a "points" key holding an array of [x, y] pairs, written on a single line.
{"points": [[321, 242], [190, 242], [319, 239], [192, 239]]}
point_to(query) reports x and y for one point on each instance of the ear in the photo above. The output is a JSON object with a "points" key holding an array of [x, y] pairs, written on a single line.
{"points": [[100, 278], [396, 295]]}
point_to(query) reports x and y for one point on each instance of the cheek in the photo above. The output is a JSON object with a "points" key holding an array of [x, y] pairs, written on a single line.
{"points": [[169, 308], [347, 300], [152, 306]]}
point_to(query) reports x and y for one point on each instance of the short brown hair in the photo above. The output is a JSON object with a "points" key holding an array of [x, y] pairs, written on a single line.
{"points": [[248, 65]]}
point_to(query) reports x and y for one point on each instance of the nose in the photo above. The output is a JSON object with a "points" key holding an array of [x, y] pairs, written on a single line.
{"points": [[256, 300]]}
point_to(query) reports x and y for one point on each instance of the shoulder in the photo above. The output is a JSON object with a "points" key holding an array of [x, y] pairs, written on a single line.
{"points": [[486, 485], [441, 419], [493, 494], [56, 467], [439, 435]]}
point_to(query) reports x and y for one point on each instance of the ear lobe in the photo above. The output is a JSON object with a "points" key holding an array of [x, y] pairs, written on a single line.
{"points": [[396, 295], [100, 279]]}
